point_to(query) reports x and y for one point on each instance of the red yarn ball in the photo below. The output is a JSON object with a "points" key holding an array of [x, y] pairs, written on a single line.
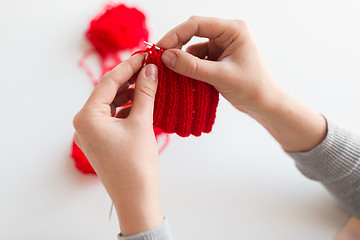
{"points": [[117, 28]]}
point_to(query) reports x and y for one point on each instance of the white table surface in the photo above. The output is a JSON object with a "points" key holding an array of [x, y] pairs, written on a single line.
{"points": [[235, 183]]}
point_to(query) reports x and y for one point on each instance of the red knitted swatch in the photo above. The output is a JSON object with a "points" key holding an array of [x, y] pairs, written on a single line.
{"points": [[183, 105]]}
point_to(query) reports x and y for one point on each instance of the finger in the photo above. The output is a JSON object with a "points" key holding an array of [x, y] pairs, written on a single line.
{"points": [[206, 50], [144, 96], [222, 31], [191, 66], [124, 112], [121, 99], [199, 50], [105, 91]]}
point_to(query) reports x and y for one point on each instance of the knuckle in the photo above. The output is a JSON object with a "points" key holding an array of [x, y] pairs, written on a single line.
{"points": [[77, 120], [234, 27], [105, 76], [240, 24], [81, 120], [194, 21], [194, 18], [238, 29], [133, 66]]}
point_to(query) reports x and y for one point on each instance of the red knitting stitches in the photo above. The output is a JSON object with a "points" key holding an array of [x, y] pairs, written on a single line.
{"points": [[183, 105]]}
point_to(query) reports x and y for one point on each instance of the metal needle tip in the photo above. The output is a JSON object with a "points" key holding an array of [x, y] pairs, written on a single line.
{"points": [[146, 57], [111, 210], [156, 47]]}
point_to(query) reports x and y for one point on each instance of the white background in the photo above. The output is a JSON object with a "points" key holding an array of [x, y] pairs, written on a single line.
{"points": [[235, 183]]}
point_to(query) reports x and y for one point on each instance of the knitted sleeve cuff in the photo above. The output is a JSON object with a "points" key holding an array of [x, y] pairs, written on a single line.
{"points": [[161, 232], [336, 159]]}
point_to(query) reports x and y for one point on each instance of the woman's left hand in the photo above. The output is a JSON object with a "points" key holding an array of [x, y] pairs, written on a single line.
{"points": [[123, 149]]}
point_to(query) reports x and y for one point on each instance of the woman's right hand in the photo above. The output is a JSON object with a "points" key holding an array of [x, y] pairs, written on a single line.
{"points": [[229, 60]]}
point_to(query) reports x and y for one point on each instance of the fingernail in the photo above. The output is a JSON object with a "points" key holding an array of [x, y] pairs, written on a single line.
{"points": [[169, 58], [151, 72]]}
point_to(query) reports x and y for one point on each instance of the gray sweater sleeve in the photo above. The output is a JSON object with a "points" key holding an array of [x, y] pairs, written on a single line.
{"points": [[161, 232], [336, 164]]}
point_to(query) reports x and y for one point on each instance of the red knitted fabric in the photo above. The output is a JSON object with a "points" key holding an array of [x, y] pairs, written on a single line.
{"points": [[183, 105]]}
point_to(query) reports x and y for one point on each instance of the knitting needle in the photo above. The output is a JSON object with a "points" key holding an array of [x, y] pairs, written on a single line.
{"points": [[111, 210], [146, 57], [156, 47]]}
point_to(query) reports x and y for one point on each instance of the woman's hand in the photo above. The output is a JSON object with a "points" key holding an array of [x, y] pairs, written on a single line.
{"points": [[231, 62], [123, 149]]}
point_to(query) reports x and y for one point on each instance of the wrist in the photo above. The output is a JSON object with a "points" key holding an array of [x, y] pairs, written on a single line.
{"points": [[138, 207], [271, 108], [296, 127], [266, 101]]}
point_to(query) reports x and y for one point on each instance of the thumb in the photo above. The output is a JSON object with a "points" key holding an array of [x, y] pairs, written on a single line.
{"points": [[144, 96], [188, 65]]}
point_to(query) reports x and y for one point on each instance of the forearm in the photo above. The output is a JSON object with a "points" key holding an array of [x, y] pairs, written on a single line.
{"points": [[335, 162], [137, 202], [322, 150], [139, 213], [295, 127]]}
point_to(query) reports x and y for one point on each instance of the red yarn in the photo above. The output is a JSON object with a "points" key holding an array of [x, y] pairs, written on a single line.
{"points": [[117, 28], [81, 162], [182, 105], [158, 133]]}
